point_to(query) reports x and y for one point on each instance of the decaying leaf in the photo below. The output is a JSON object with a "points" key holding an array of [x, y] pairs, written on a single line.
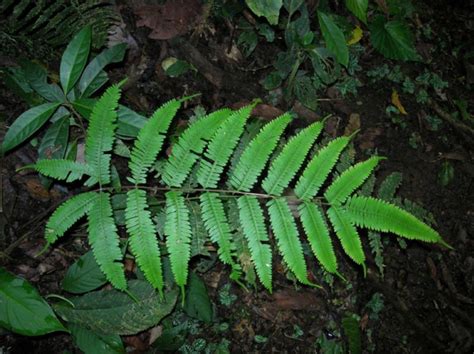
{"points": [[397, 103], [171, 19], [356, 36]]}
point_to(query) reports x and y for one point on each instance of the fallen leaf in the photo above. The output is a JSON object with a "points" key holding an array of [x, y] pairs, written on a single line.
{"points": [[36, 190], [367, 138], [353, 125], [172, 19], [294, 300], [356, 36], [396, 102]]}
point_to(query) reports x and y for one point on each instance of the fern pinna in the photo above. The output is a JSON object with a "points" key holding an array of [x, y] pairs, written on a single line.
{"points": [[285, 186]]}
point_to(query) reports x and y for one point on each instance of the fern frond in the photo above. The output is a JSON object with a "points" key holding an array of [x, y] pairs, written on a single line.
{"points": [[389, 186], [67, 214], [317, 231], [218, 228], [191, 142], [350, 180], [143, 241], [289, 161], [178, 237], [104, 241], [347, 234], [286, 234], [62, 169], [256, 154], [100, 136], [319, 168], [150, 140], [378, 215], [253, 225], [221, 146]]}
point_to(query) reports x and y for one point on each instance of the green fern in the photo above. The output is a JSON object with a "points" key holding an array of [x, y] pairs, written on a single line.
{"points": [[233, 216], [35, 28]]}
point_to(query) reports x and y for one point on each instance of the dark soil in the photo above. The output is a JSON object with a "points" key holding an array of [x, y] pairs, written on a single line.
{"points": [[427, 290]]}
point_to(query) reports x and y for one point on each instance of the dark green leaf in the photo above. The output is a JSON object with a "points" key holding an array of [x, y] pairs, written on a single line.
{"points": [[334, 38], [446, 175], [37, 77], [88, 83], [358, 8], [248, 40], [114, 312], [292, 6], [352, 331], [15, 80], [197, 304], [23, 310], [266, 31], [84, 275], [270, 9], [180, 67], [74, 59], [55, 140], [272, 81], [92, 342], [393, 39], [27, 124]]}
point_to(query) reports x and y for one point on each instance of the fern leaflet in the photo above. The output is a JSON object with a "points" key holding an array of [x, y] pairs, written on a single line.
{"points": [[286, 234], [347, 234], [191, 142], [289, 161], [221, 147], [378, 215], [317, 231], [319, 168], [143, 241], [255, 156], [100, 136], [178, 232], [253, 225], [351, 179], [67, 214], [104, 241], [150, 139], [63, 169], [218, 227]]}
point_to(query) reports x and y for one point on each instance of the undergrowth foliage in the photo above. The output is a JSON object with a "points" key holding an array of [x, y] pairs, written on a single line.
{"points": [[289, 189]]}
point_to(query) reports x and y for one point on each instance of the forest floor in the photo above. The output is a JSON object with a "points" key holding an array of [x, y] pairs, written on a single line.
{"points": [[423, 302]]}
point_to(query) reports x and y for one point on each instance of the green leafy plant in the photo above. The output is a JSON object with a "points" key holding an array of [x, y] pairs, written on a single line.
{"points": [[66, 103], [208, 144]]}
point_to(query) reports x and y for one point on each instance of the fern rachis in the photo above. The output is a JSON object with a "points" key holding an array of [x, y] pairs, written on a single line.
{"points": [[208, 144]]}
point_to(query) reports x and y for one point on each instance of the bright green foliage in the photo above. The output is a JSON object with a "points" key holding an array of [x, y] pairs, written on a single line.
{"points": [[150, 140], [63, 169], [347, 234], [100, 136], [234, 218], [334, 38], [191, 142], [253, 225], [143, 241], [358, 8], [379, 215], [318, 169], [104, 241], [317, 231], [218, 228], [67, 214], [221, 147], [178, 232], [286, 234], [255, 156], [288, 162], [350, 180]]}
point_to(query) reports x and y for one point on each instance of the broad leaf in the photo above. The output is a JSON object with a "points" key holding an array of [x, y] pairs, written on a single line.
{"points": [[197, 304], [37, 77], [27, 124], [114, 312], [393, 39], [84, 275], [270, 9], [23, 310], [55, 140], [74, 59], [358, 8], [92, 342], [334, 38], [90, 79]]}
